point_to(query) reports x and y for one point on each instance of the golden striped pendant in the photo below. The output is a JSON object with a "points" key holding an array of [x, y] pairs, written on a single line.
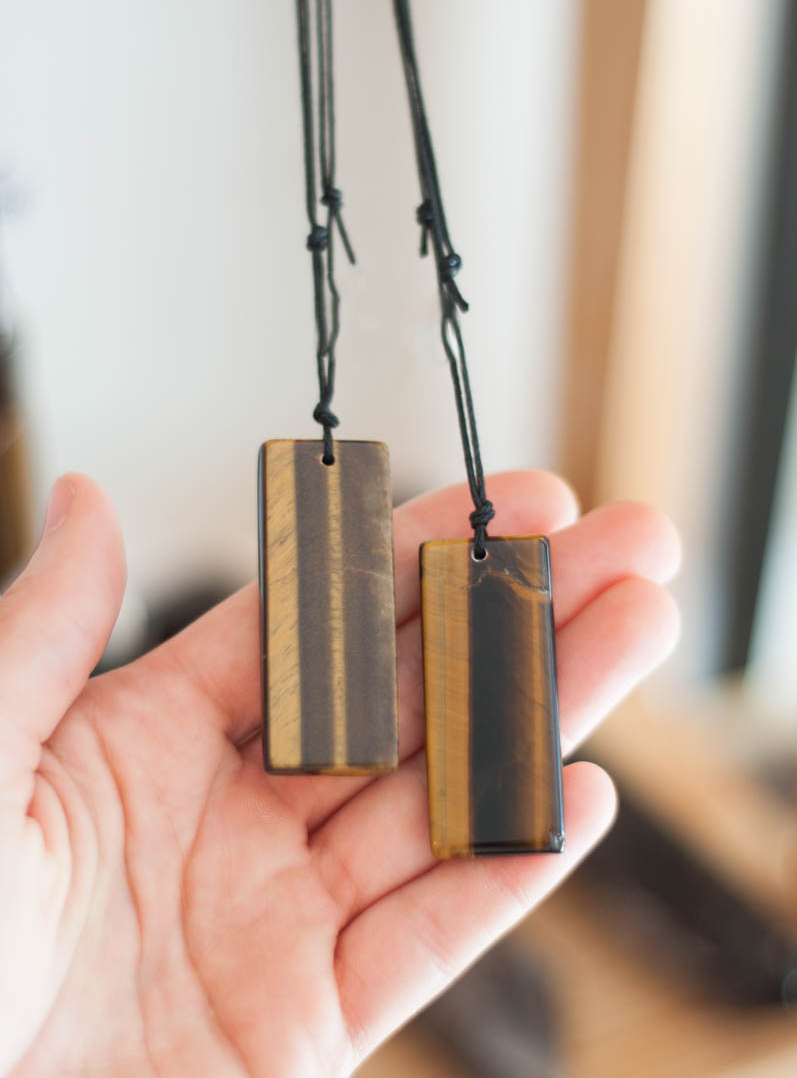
{"points": [[328, 630], [492, 725]]}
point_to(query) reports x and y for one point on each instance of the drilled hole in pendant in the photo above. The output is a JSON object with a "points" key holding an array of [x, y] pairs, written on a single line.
{"points": [[477, 557], [327, 460]]}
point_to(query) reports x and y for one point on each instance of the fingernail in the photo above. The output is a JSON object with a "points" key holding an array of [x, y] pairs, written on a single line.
{"points": [[61, 497]]}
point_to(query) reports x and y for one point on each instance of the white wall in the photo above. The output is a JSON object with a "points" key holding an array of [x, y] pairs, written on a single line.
{"points": [[160, 281]]}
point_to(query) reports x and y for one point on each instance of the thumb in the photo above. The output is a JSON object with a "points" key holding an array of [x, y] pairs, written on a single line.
{"points": [[55, 620]]}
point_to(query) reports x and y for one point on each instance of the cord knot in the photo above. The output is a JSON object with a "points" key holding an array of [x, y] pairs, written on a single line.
{"points": [[324, 415], [482, 514], [450, 265], [318, 240], [424, 215], [333, 198]]}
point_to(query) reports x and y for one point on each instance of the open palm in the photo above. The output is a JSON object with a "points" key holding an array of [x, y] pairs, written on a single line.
{"points": [[167, 908]]}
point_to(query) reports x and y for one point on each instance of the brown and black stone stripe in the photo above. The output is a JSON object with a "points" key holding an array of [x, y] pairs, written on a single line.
{"points": [[493, 753], [328, 633]]}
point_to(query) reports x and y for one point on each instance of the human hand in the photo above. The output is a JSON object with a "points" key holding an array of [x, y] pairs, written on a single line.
{"points": [[166, 907]]}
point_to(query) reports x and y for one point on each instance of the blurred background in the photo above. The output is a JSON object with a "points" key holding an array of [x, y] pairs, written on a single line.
{"points": [[621, 181]]}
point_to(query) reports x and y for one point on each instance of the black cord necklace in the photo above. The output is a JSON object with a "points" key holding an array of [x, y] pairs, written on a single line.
{"points": [[320, 240], [326, 565], [328, 630], [492, 728], [431, 217]]}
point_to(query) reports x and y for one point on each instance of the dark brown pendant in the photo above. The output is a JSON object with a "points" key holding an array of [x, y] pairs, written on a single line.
{"points": [[328, 630], [492, 727]]}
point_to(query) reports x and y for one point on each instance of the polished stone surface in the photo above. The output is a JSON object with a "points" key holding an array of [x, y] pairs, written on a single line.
{"points": [[493, 753], [327, 609]]}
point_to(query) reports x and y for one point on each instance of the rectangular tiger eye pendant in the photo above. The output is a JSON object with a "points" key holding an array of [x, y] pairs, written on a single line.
{"points": [[328, 630], [492, 726]]}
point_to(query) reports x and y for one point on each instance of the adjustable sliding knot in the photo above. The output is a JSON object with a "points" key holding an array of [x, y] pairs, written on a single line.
{"points": [[324, 415], [450, 265], [333, 198], [318, 240], [424, 215]]}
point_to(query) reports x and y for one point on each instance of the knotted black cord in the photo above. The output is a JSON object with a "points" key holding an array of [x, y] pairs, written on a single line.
{"points": [[431, 217], [318, 241]]}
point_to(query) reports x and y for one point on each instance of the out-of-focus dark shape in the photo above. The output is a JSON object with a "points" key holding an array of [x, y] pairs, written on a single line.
{"points": [[175, 613], [499, 1021], [16, 518], [772, 354], [165, 618], [659, 901]]}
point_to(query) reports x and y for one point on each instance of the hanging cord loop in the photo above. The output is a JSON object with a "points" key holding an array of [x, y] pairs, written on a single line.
{"points": [[320, 240], [430, 215]]}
